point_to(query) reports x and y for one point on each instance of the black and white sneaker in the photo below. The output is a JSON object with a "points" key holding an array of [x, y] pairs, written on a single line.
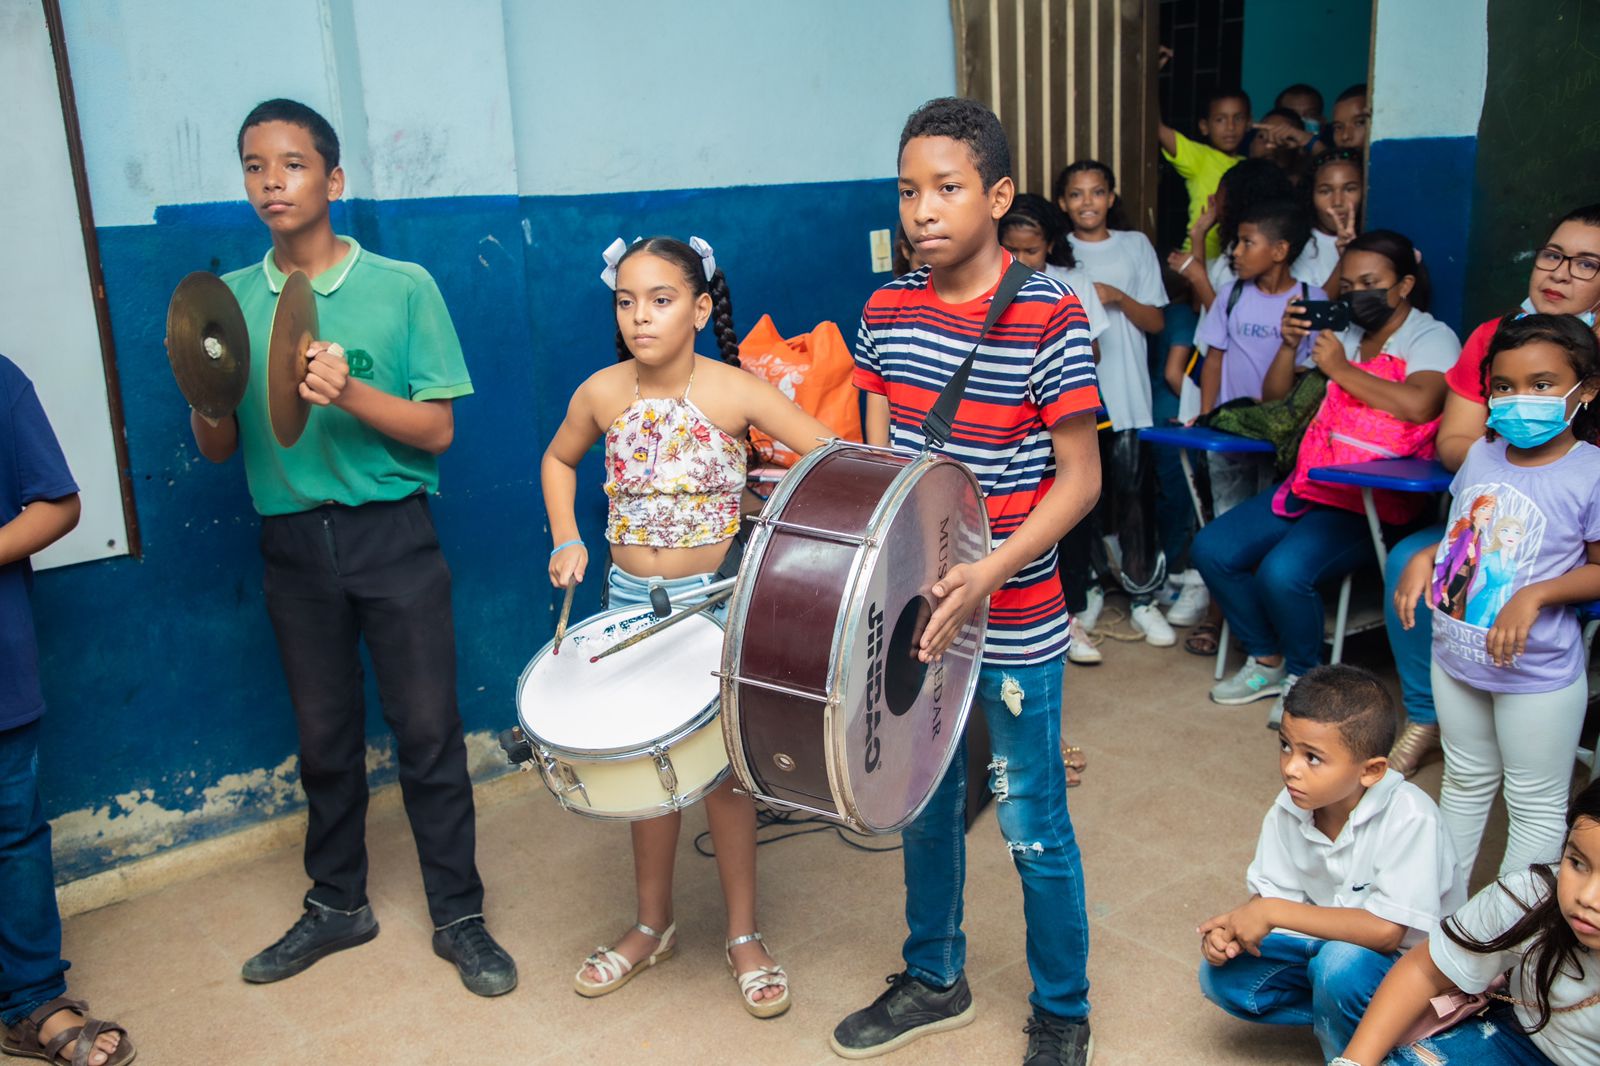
{"points": [[1055, 1042], [907, 1011]]}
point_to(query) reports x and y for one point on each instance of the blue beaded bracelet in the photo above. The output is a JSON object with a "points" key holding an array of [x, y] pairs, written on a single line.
{"points": [[559, 548]]}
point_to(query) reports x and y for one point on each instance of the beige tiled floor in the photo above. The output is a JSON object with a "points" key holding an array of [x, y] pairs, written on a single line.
{"points": [[1167, 819]]}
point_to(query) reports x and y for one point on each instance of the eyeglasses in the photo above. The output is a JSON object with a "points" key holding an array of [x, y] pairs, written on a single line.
{"points": [[1584, 267]]}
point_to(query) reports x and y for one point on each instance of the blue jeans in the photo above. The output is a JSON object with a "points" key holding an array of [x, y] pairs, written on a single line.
{"points": [[625, 590], [1325, 984], [31, 967], [1413, 648], [1030, 789], [1496, 1039], [1263, 571]]}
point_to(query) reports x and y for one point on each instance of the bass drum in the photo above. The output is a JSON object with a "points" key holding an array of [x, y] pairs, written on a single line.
{"points": [[825, 706]]}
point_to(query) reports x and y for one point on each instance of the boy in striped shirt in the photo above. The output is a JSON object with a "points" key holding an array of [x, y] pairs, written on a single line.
{"points": [[1026, 428]]}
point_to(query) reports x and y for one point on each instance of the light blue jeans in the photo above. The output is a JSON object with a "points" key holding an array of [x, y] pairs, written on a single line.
{"points": [[1325, 984], [1413, 648], [625, 590], [1030, 788]]}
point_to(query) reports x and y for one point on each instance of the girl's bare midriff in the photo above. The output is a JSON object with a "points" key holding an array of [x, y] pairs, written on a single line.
{"points": [[644, 561]]}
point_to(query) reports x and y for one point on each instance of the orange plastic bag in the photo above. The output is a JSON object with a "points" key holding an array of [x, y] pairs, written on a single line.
{"points": [[814, 370]]}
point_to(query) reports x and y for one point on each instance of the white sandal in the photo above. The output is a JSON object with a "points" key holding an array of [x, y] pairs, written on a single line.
{"points": [[757, 980], [614, 968]]}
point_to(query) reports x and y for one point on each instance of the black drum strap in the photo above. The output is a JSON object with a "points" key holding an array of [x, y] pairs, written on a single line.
{"points": [[942, 415]]}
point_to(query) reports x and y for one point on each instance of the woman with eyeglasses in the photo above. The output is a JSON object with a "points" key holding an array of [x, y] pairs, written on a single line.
{"points": [[1565, 280]]}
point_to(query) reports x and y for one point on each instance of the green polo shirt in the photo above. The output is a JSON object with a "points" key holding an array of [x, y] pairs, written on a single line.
{"points": [[396, 332], [1201, 167]]}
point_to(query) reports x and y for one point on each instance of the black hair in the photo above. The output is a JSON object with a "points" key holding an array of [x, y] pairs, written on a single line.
{"points": [[1402, 255], [688, 260], [1221, 93], [1350, 698], [902, 260], [1566, 332], [1289, 115], [1180, 290], [1116, 218], [1031, 209], [966, 121], [1281, 220], [1326, 159], [1300, 88], [323, 139], [1552, 946], [1245, 184], [1357, 90], [1588, 214]]}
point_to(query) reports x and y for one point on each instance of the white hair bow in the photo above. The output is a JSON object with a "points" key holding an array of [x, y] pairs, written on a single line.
{"points": [[612, 255], [707, 258]]}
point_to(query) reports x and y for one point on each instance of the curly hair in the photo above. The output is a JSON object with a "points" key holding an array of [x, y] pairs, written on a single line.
{"points": [[688, 260], [1116, 218], [1245, 184], [970, 123], [1031, 209]]}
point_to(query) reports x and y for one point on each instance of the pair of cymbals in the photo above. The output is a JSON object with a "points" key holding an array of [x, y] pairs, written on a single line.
{"points": [[209, 348]]}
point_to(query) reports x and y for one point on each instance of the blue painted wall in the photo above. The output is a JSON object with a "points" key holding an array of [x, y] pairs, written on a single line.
{"points": [[1323, 43], [1422, 187]]}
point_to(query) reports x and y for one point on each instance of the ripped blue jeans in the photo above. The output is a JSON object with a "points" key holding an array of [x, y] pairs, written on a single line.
{"points": [[1030, 789], [1496, 1039]]}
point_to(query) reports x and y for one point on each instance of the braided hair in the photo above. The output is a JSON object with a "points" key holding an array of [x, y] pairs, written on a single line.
{"points": [[688, 260]]}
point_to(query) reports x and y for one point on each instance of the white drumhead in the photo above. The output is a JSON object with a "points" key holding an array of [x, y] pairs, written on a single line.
{"points": [[629, 700]]}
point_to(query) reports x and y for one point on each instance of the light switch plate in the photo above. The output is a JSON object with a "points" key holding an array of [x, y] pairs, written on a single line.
{"points": [[882, 251]]}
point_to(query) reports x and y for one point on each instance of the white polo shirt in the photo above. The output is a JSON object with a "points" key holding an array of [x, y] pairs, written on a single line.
{"points": [[1391, 858], [1571, 1039]]}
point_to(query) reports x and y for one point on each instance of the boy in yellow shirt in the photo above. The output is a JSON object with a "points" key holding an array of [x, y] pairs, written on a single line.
{"points": [[1202, 165]]}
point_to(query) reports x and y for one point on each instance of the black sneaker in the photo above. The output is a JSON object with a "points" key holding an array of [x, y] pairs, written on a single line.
{"points": [[486, 969], [1056, 1042], [908, 1010], [319, 932]]}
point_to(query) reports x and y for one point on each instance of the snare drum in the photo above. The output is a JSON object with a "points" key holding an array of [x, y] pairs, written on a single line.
{"points": [[636, 734]]}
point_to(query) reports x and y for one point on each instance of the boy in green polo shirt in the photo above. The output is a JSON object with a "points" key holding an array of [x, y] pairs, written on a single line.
{"points": [[351, 553], [1202, 165]]}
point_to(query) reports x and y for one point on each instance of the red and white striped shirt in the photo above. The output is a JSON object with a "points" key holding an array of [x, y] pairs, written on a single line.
{"points": [[1034, 369]]}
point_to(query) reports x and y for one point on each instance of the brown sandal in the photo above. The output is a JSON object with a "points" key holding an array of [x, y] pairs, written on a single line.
{"points": [[1075, 762], [1204, 638], [23, 1041]]}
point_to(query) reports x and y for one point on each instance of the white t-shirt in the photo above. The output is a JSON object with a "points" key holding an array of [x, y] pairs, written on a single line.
{"points": [[1422, 341], [1571, 1039], [1082, 287], [1392, 858], [1321, 255], [1125, 260]]}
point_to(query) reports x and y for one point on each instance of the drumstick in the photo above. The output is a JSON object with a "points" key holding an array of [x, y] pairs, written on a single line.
{"points": [[561, 623], [706, 604]]}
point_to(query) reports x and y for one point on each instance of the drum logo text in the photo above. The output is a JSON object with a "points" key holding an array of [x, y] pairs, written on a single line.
{"points": [[874, 684], [938, 666]]}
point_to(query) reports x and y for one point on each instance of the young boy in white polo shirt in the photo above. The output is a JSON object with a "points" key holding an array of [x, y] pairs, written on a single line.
{"points": [[1352, 868]]}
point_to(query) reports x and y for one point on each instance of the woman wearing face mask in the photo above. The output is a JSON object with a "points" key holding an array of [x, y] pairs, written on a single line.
{"points": [[1264, 559], [1564, 280]]}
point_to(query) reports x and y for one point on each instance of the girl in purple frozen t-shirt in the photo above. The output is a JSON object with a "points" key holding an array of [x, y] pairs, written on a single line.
{"points": [[1508, 661]]}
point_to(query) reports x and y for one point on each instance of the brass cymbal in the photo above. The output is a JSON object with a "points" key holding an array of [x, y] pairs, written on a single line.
{"points": [[208, 344], [294, 327]]}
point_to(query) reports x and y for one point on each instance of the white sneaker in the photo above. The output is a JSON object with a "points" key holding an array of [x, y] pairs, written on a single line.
{"points": [[1146, 618], [1089, 617], [1082, 650], [1193, 601], [1275, 716]]}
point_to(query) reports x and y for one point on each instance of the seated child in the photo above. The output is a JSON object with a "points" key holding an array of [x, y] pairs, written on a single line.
{"points": [[1353, 866], [1226, 121], [1541, 924]]}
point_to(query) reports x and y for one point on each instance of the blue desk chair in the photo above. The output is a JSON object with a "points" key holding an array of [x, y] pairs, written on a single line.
{"points": [[1201, 439], [1395, 475]]}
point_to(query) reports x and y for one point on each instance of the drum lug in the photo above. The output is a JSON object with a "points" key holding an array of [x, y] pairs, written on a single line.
{"points": [[665, 772], [560, 780]]}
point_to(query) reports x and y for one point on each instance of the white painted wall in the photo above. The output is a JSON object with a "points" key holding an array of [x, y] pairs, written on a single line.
{"points": [[668, 94], [1430, 65], [47, 318]]}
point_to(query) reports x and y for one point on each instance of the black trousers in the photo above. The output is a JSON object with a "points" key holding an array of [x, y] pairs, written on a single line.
{"points": [[335, 575]]}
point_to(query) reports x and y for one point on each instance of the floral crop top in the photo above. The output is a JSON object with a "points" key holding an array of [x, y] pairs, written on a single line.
{"points": [[674, 478]]}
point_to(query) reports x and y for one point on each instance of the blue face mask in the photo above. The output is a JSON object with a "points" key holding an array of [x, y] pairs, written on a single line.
{"points": [[1529, 421], [1586, 317]]}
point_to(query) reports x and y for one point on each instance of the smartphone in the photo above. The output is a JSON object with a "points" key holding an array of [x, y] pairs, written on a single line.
{"points": [[1326, 314]]}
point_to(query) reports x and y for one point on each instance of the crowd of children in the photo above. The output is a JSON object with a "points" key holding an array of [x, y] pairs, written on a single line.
{"points": [[1358, 912]]}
